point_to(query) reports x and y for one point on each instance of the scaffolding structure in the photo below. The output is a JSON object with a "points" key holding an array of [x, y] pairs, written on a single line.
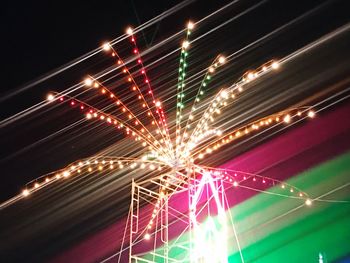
{"points": [[179, 217]]}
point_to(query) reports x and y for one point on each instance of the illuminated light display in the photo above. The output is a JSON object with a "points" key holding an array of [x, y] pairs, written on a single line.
{"points": [[175, 155], [50, 97]]}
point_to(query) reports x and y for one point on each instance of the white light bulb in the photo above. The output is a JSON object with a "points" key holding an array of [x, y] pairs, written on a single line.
{"points": [[311, 114], [129, 31], [308, 202], [106, 47], [286, 119], [224, 94], [185, 44], [275, 65], [190, 25], [222, 60], [88, 82], [50, 97]]}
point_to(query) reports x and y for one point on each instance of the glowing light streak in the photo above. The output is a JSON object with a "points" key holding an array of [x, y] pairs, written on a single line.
{"points": [[189, 147]]}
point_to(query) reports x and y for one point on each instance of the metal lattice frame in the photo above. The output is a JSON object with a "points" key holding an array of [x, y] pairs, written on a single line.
{"points": [[201, 190]]}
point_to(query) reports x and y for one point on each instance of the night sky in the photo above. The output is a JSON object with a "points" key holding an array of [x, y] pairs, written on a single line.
{"points": [[39, 37]]}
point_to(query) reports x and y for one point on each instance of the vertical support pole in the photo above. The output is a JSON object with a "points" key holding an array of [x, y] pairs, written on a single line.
{"points": [[131, 218], [166, 232], [222, 218], [189, 216], [190, 223], [222, 193], [164, 221]]}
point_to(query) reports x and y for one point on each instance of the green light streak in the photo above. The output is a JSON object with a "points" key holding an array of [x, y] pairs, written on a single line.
{"points": [[180, 87]]}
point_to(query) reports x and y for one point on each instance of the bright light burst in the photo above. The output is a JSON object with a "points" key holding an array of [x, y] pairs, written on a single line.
{"points": [[176, 154]]}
